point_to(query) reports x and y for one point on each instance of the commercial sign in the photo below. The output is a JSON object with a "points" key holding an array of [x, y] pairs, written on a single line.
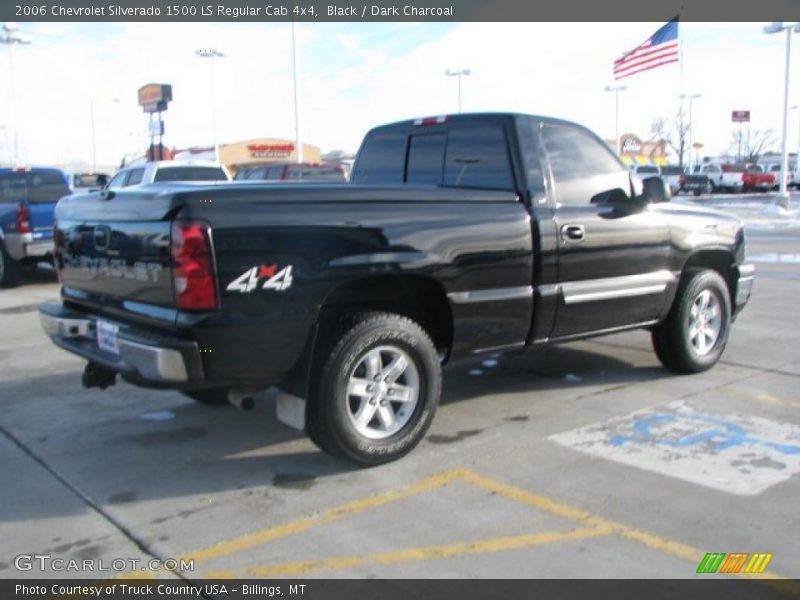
{"points": [[270, 150], [630, 144], [740, 116], [154, 97]]}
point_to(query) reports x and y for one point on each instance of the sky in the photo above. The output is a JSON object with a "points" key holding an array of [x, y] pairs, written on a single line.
{"points": [[353, 76]]}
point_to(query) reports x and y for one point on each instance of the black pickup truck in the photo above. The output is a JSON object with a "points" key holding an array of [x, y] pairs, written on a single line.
{"points": [[457, 235]]}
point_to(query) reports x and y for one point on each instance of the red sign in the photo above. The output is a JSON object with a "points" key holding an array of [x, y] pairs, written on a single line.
{"points": [[740, 116], [270, 150]]}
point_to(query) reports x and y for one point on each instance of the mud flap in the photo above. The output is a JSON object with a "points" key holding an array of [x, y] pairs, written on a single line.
{"points": [[291, 410]]}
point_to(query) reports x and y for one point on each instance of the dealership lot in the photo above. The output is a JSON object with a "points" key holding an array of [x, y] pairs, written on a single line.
{"points": [[587, 453]]}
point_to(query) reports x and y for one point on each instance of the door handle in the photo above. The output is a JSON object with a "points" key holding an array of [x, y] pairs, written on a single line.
{"points": [[573, 233]]}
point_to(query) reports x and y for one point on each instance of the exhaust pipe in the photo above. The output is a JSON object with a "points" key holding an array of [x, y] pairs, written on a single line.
{"points": [[242, 398], [95, 375]]}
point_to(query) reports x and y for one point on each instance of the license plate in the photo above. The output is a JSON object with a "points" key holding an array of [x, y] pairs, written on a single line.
{"points": [[107, 337]]}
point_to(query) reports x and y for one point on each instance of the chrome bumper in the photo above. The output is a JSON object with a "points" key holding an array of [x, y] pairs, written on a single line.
{"points": [[142, 355], [22, 245], [744, 285]]}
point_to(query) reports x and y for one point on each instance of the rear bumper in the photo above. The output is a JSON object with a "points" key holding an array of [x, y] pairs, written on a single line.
{"points": [[144, 357], [744, 285], [23, 245]]}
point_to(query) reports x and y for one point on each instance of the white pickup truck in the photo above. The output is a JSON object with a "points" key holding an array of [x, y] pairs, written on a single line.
{"points": [[725, 178]]}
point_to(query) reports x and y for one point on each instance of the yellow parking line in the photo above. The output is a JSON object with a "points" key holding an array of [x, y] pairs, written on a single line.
{"points": [[426, 552], [593, 526], [351, 508]]}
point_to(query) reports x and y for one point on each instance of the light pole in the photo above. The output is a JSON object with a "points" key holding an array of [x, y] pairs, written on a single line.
{"points": [[777, 27], [213, 54], [460, 73], [12, 36], [616, 89], [691, 97], [297, 141], [797, 157]]}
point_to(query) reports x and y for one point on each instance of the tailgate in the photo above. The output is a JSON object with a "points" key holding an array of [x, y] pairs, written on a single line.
{"points": [[117, 247]]}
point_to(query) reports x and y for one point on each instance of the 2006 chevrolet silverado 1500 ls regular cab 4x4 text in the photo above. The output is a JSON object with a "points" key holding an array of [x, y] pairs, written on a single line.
{"points": [[458, 235]]}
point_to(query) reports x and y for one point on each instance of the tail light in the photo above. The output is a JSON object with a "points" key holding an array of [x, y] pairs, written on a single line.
{"points": [[193, 267], [23, 219]]}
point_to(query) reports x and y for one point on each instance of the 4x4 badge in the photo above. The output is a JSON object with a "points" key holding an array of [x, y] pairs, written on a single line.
{"points": [[275, 280]]}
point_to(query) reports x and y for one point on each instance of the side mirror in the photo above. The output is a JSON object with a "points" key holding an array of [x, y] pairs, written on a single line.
{"points": [[655, 190]]}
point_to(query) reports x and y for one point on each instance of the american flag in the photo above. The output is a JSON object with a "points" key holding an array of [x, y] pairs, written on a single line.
{"points": [[661, 48]]}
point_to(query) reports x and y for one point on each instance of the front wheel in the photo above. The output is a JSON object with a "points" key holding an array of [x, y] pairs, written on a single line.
{"points": [[694, 334], [377, 392]]}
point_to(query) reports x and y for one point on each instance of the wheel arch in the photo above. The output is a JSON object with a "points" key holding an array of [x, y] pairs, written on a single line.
{"points": [[721, 260]]}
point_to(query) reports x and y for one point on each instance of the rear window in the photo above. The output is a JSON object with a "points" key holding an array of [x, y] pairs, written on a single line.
{"points": [[382, 159], [755, 169], [33, 186], [425, 158], [190, 174], [669, 170]]}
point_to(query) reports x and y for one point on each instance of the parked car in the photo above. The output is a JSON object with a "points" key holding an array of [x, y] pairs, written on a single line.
{"points": [[671, 174], [697, 182], [28, 198], [459, 235], [168, 171], [644, 171], [755, 178], [292, 172], [791, 175], [724, 178]]}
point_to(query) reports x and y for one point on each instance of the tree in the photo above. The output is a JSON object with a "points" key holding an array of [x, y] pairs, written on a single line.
{"points": [[749, 147], [674, 131]]}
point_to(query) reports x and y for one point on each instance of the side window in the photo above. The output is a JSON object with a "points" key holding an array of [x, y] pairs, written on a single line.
{"points": [[425, 158], [135, 177], [118, 181], [584, 169], [477, 157], [382, 158]]}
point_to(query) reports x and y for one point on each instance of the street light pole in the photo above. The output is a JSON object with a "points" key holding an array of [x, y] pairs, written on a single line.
{"points": [[12, 36], [213, 53], [297, 140], [94, 142], [616, 89], [691, 97], [777, 27], [460, 73]]}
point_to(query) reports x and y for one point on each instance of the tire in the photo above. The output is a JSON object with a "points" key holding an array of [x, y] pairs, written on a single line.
{"points": [[675, 346], [697, 192], [350, 413], [10, 269], [210, 396]]}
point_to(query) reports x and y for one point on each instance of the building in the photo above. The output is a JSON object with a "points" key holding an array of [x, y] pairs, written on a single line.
{"points": [[249, 153], [634, 151]]}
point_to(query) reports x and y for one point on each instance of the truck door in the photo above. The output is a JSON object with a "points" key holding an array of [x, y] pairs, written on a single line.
{"points": [[613, 252]]}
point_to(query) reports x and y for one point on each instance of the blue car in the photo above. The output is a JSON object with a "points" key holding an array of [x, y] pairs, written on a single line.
{"points": [[28, 198]]}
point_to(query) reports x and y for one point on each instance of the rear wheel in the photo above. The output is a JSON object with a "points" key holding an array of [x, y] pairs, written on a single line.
{"points": [[377, 391], [211, 396], [10, 270], [694, 334]]}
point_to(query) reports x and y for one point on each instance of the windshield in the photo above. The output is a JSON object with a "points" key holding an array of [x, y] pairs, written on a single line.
{"points": [[42, 185], [89, 180], [321, 173], [755, 169], [653, 170], [669, 170], [190, 174]]}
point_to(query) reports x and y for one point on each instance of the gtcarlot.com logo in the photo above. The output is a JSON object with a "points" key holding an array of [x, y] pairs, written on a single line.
{"points": [[46, 562], [736, 562]]}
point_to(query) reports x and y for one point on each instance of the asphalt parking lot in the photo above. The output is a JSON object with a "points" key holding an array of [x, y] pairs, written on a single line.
{"points": [[586, 459]]}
